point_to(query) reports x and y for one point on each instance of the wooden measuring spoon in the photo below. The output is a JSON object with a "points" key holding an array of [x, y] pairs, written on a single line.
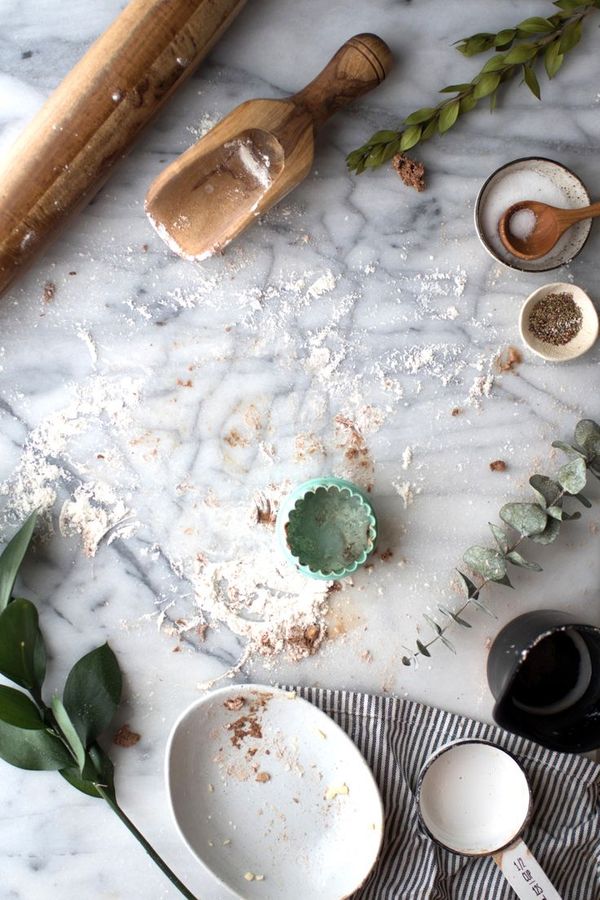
{"points": [[256, 155], [548, 225]]}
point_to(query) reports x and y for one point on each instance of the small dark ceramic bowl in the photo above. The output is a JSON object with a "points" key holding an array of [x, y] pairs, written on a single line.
{"points": [[552, 697]]}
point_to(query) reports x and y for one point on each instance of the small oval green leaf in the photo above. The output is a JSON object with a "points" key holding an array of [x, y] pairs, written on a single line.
{"points": [[29, 748], [526, 518], [448, 116], [17, 709], [422, 649], [12, 557], [487, 563], [573, 476]]}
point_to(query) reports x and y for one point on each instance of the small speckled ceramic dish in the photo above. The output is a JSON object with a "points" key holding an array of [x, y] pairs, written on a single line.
{"points": [[583, 340], [531, 178], [327, 528]]}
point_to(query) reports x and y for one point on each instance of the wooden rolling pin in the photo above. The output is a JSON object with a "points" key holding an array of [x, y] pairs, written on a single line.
{"points": [[66, 153]]}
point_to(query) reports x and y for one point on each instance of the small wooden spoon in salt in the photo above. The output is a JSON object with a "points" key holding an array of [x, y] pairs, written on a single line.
{"points": [[530, 229], [256, 155]]}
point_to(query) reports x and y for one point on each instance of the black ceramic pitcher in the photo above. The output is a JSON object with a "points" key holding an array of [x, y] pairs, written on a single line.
{"points": [[544, 672]]}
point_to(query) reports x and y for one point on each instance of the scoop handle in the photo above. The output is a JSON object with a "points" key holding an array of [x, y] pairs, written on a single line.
{"points": [[523, 872], [358, 66]]}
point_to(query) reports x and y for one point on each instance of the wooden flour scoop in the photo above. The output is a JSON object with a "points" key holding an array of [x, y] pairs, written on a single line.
{"points": [[256, 155]]}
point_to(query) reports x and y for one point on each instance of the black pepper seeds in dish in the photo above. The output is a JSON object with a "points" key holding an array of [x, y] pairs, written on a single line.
{"points": [[556, 319]]}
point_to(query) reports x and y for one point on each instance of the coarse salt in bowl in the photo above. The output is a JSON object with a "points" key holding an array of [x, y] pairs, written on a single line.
{"points": [[531, 178]]}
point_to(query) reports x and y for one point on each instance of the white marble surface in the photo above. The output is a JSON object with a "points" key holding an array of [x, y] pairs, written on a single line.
{"points": [[134, 315]]}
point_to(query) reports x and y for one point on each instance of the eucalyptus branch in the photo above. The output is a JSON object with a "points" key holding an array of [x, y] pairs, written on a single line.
{"points": [[517, 50], [63, 736], [539, 522]]}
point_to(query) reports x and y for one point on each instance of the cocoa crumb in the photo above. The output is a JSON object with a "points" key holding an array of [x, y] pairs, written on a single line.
{"points": [[410, 171], [387, 554], [49, 292], [187, 383], [508, 359], [498, 465], [235, 439], [201, 631], [234, 703], [263, 777], [336, 586], [124, 737], [72, 273], [456, 411], [245, 726]]}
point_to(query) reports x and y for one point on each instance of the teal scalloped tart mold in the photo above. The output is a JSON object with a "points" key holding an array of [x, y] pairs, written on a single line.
{"points": [[326, 528]]}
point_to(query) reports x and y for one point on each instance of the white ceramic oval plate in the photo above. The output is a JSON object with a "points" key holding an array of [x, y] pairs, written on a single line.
{"points": [[272, 796], [583, 340]]}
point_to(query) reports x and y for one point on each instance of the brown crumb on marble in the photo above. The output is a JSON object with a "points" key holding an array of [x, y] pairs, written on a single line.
{"points": [[411, 172], [235, 439], [201, 631], [234, 703], [125, 737], [498, 465], [508, 359], [336, 586], [187, 383], [72, 273], [49, 292], [386, 554], [263, 777], [456, 411], [265, 515]]}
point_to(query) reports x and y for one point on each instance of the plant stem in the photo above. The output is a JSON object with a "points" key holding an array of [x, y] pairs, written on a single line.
{"points": [[142, 840]]}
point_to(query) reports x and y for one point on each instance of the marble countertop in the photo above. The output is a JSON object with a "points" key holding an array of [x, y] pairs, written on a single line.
{"points": [[149, 404]]}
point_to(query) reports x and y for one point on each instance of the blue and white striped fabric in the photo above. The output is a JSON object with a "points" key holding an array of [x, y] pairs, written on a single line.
{"points": [[397, 736]]}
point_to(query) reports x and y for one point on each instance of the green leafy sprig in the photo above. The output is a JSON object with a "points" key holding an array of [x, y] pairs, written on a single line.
{"points": [[539, 522], [62, 737], [517, 50]]}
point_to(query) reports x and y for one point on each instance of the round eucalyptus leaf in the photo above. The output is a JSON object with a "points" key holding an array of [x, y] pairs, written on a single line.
{"points": [[517, 560], [526, 518], [587, 436], [546, 488], [549, 534], [573, 476], [487, 563]]}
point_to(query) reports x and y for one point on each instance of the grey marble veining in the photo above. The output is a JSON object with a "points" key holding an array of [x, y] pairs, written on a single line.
{"points": [[239, 331]]}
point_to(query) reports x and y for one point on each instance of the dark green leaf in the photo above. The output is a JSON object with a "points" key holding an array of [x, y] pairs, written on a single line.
{"points": [[19, 634], [374, 158], [12, 557], [530, 79], [526, 518], [493, 101], [477, 43], [383, 137], [487, 563], [587, 436], [17, 709], [535, 25], [456, 88], [390, 150], [570, 37], [406, 661], [410, 137], [549, 534], [93, 692], [553, 59], [517, 560], [420, 115], [568, 449], [476, 602], [469, 588], [28, 748], [66, 726], [486, 85], [573, 476], [505, 580], [583, 500], [520, 54], [448, 116], [454, 616], [568, 517], [500, 535], [423, 649], [433, 623], [568, 5], [73, 776], [547, 490], [447, 643]]}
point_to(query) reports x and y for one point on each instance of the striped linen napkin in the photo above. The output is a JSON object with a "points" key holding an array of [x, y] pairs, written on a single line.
{"points": [[397, 736]]}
